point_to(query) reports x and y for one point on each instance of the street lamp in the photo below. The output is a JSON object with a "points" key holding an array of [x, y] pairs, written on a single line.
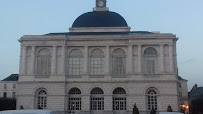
{"points": [[183, 108]]}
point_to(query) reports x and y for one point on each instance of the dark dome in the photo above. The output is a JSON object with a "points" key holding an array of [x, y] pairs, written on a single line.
{"points": [[100, 19]]}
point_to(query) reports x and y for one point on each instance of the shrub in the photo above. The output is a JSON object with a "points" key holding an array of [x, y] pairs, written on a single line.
{"points": [[7, 104]]}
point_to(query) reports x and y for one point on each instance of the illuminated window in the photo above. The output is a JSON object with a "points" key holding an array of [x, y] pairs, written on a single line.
{"points": [[74, 102]]}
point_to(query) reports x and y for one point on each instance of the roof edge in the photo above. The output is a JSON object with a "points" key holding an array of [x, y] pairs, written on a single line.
{"points": [[99, 29]]}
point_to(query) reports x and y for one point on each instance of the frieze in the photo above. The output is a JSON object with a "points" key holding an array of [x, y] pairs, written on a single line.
{"points": [[98, 43], [118, 42], [128, 36], [152, 76], [44, 43]]}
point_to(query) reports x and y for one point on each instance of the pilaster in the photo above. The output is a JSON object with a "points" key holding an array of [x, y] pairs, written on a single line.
{"points": [[33, 60], [53, 65], [85, 103], [85, 65], [24, 66], [171, 60], [107, 64], [161, 58], [139, 58], [108, 102], [63, 57], [130, 59]]}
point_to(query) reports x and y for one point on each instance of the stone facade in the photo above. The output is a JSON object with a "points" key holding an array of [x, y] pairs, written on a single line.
{"points": [[98, 67], [135, 81]]}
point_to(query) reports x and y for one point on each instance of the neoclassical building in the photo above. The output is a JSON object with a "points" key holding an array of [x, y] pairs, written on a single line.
{"points": [[99, 66]]}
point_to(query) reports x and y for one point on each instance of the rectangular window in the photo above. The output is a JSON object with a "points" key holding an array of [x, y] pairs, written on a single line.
{"points": [[150, 66], [14, 95], [152, 102], [74, 104], [97, 103], [119, 103], [5, 94], [5, 86], [180, 85], [75, 66], [96, 65], [14, 86], [118, 65]]}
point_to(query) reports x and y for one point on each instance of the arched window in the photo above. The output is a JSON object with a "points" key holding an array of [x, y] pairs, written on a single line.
{"points": [[44, 62], [75, 62], [150, 58], [74, 102], [119, 99], [152, 98], [97, 62], [97, 99], [75, 91], [150, 51], [41, 96], [118, 62], [119, 91]]}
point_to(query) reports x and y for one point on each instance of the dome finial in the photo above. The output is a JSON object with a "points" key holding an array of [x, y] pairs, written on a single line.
{"points": [[101, 6]]}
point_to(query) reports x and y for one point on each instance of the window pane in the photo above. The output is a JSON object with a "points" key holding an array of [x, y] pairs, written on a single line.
{"points": [[42, 99], [97, 62], [75, 62], [152, 99], [44, 62], [118, 61]]}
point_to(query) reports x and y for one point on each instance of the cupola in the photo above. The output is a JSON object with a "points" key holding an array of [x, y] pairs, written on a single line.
{"points": [[100, 20]]}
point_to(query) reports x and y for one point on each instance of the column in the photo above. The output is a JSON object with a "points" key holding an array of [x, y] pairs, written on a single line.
{"points": [[24, 60], [139, 58], [85, 65], [53, 65], [107, 65], [33, 60], [161, 58], [130, 59], [63, 57], [171, 60]]}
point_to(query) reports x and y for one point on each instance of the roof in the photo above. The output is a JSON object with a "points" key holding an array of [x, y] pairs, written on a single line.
{"points": [[196, 93], [100, 33], [100, 19], [180, 78], [12, 77]]}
